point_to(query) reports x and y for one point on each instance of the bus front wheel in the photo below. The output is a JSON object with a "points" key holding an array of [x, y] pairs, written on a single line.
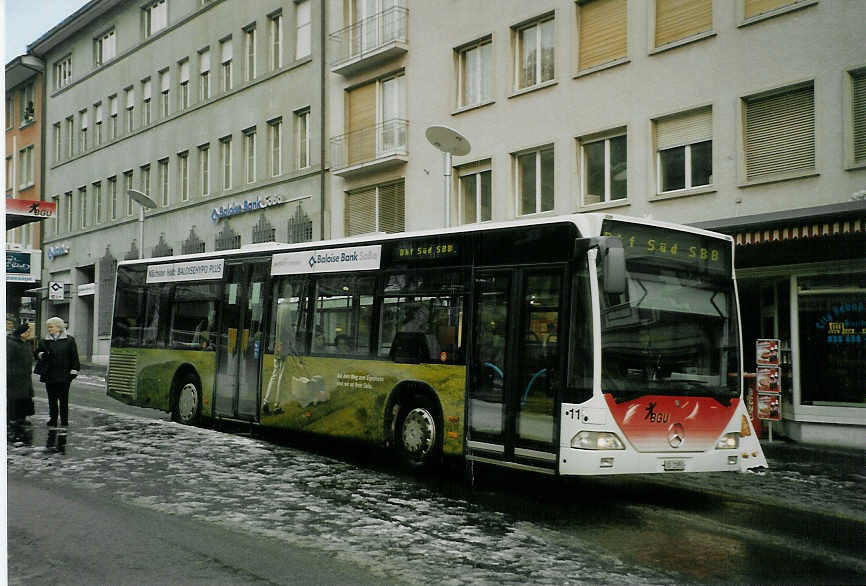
{"points": [[417, 434], [187, 404]]}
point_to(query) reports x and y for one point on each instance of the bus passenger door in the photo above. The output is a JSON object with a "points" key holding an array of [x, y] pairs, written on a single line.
{"points": [[241, 341], [516, 367]]}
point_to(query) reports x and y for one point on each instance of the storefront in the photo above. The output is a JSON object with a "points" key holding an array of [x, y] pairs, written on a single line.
{"points": [[24, 264], [802, 280]]}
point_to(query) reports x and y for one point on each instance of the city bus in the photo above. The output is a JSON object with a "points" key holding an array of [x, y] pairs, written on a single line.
{"points": [[587, 344]]}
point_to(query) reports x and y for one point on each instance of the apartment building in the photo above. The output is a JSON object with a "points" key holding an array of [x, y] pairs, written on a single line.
{"points": [[212, 109], [23, 78], [745, 116]]}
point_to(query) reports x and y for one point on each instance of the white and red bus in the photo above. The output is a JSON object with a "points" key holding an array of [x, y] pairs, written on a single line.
{"points": [[575, 345]]}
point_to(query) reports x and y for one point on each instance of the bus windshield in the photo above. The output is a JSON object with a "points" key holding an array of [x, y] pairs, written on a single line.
{"points": [[674, 330]]}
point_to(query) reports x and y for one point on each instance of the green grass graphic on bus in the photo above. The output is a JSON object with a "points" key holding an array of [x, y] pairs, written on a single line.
{"points": [[347, 398]]}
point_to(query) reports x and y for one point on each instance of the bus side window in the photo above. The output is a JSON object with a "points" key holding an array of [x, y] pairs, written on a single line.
{"points": [[288, 332]]}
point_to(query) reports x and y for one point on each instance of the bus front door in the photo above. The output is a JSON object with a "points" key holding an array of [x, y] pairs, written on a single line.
{"points": [[241, 341], [516, 367]]}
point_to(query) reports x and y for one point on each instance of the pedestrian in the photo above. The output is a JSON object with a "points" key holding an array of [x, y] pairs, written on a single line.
{"points": [[19, 368], [58, 356]]}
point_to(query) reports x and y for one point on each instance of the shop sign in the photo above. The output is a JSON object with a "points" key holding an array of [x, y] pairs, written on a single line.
{"points": [[331, 260], [56, 250], [55, 291], [248, 205], [30, 208], [198, 270], [87, 289], [22, 267], [844, 323]]}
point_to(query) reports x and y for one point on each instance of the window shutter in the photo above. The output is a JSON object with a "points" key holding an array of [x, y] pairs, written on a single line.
{"points": [[130, 98], [780, 133], [683, 129], [679, 19], [603, 32], [84, 120], [360, 213], [112, 106], [226, 51], [205, 61], [361, 141], [756, 7], [184, 72], [99, 113], [164, 82], [858, 106], [392, 209], [146, 90]]}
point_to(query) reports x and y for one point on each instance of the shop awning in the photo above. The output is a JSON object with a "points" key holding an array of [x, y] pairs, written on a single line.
{"points": [[24, 211]]}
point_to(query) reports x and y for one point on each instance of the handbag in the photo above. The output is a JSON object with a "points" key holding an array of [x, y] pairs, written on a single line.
{"points": [[41, 367]]}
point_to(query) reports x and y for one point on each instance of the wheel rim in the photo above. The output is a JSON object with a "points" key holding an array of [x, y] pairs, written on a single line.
{"points": [[187, 402], [419, 433]]}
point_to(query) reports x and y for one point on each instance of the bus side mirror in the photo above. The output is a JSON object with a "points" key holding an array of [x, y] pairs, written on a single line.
{"points": [[612, 260]]}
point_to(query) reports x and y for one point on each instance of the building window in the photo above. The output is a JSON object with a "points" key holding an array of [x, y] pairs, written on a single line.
{"points": [[82, 206], [127, 185], [67, 205], [204, 169], [604, 162], [28, 103], [302, 138], [112, 120], [226, 60], [97, 124], [25, 167], [155, 17], [183, 175], [145, 180], [602, 32], [10, 111], [534, 54], [684, 150], [10, 180], [677, 20], [82, 132], [250, 155], [376, 209], [250, 53], [858, 115], [754, 8], [780, 133], [63, 72], [58, 144], [164, 90], [130, 110], [303, 38], [476, 73], [112, 197], [276, 40], [104, 48], [162, 171], [534, 180], [98, 203], [226, 162], [275, 131], [183, 74], [70, 137], [55, 223], [475, 193], [204, 75]]}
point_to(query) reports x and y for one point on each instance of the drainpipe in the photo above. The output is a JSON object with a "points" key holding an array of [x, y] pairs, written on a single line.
{"points": [[322, 96]]}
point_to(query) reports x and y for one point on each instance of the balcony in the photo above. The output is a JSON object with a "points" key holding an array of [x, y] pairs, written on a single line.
{"points": [[370, 41], [370, 149]]}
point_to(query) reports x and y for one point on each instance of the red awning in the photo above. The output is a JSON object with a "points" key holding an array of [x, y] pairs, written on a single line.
{"points": [[24, 211]]}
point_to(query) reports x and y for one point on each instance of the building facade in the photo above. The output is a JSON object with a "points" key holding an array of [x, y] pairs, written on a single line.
{"points": [[23, 77], [212, 112]]}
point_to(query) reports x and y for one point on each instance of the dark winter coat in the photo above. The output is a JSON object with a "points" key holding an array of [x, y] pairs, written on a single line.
{"points": [[19, 368], [60, 357]]}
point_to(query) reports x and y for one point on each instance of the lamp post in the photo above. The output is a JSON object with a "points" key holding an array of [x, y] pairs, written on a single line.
{"points": [[450, 142], [143, 200]]}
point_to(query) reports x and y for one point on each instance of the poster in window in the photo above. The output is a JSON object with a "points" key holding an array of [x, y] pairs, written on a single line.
{"points": [[769, 406], [768, 379], [767, 352]]}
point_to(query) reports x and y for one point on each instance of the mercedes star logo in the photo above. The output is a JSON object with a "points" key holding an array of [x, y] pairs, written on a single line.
{"points": [[677, 435]]}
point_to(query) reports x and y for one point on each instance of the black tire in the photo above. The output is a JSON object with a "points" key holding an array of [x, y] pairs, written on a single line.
{"points": [[187, 400], [418, 433]]}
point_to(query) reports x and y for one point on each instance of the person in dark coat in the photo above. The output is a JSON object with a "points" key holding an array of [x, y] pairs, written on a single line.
{"points": [[19, 367], [59, 355]]}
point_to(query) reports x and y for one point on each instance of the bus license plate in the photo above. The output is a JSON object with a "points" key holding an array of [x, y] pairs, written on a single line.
{"points": [[674, 465]]}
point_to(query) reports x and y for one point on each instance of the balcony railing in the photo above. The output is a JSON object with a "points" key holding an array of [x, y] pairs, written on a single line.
{"points": [[370, 148], [368, 41]]}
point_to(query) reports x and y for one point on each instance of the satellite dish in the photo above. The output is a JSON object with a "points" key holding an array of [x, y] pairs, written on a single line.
{"points": [[448, 140], [141, 198]]}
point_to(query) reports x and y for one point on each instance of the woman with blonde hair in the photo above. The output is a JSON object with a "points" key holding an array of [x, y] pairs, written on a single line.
{"points": [[59, 364]]}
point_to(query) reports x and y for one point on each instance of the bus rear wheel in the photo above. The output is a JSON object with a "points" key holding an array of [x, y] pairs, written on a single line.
{"points": [[187, 403], [417, 434]]}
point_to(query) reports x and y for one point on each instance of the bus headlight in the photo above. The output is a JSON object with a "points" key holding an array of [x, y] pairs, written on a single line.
{"points": [[596, 440], [729, 441]]}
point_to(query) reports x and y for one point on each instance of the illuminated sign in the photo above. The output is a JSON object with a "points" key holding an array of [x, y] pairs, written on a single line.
{"points": [[641, 242], [420, 250], [23, 267], [198, 270], [331, 260], [248, 205], [53, 252]]}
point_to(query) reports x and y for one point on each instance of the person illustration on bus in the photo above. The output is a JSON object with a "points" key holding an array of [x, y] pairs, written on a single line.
{"points": [[283, 350]]}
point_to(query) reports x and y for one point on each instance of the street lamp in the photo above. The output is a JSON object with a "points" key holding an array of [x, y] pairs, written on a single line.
{"points": [[144, 201], [450, 142]]}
